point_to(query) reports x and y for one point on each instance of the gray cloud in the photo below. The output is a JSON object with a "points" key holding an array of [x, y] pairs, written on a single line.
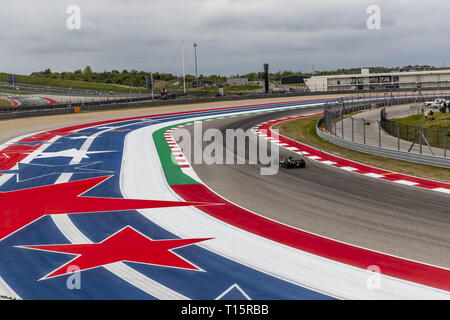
{"points": [[234, 36]]}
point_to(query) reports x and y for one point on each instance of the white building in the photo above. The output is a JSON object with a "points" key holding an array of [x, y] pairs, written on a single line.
{"points": [[234, 82], [370, 81]]}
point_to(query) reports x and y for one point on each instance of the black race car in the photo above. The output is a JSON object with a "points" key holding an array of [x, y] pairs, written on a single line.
{"points": [[290, 162]]}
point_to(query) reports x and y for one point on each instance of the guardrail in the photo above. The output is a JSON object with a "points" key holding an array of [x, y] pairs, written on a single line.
{"points": [[436, 161]]}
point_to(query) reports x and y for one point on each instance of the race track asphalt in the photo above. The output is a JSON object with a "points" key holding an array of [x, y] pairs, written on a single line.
{"points": [[378, 215]]}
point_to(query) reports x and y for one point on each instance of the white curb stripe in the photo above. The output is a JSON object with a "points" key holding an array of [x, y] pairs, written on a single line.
{"points": [[373, 175], [407, 183]]}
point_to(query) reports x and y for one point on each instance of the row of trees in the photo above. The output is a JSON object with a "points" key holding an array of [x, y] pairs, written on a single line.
{"points": [[137, 78], [127, 78]]}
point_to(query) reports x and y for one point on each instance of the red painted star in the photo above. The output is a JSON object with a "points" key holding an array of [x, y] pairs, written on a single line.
{"points": [[20, 208], [125, 245]]}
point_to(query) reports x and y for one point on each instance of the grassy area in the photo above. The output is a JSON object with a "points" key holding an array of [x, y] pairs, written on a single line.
{"points": [[5, 103], [74, 84], [440, 120], [304, 130]]}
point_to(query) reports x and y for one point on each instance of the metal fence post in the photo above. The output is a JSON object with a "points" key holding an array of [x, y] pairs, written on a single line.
{"points": [[445, 142], [353, 132], [420, 138], [335, 124], [364, 130], [437, 138], [398, 136], [379, 133]]}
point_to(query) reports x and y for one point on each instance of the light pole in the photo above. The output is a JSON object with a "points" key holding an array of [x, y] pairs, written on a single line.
{"points": [[151, 81], [195, 53], [182, 61]]}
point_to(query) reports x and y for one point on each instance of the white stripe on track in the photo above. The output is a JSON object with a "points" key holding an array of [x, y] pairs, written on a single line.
{"points": [[442, 190], [7, 291]]}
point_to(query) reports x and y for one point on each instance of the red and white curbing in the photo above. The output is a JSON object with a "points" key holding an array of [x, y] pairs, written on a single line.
{"points": [[264, 130], [49, 100], [176, 151]]}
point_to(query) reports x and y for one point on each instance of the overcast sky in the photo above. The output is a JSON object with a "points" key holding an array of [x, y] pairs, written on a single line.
{"points": [[233, 36]]}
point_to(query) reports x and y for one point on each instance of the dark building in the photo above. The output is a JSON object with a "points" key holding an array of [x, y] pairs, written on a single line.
{"points": [[12, 79], [292, 80]]}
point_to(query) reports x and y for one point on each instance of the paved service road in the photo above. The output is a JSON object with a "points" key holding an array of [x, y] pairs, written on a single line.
{"points": [[378, 215], [372, 131]]}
